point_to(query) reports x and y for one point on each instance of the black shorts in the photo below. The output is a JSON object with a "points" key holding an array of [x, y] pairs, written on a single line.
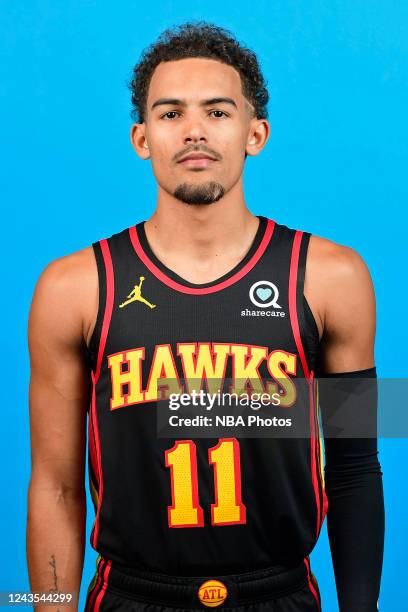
{"points": [[268, 590]]}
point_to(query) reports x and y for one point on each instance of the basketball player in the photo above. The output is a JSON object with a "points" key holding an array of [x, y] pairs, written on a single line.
{"points": [[202, 289]]}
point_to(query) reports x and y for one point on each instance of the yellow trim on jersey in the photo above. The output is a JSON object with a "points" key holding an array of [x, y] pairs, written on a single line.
{"points": [[93, 582], [94, 492], [321, 441]]}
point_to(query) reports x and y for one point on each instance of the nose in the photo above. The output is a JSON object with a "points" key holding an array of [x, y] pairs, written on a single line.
{"points": [[194, 132]]}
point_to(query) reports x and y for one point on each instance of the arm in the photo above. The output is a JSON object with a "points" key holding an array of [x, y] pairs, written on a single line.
{"points": [[58, 399], [353, 481]]}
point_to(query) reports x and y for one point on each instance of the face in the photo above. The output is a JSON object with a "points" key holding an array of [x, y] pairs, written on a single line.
{"points": [[195, 106]]}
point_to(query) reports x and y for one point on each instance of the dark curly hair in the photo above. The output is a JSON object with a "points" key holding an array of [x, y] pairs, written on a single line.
{"points": [[199, 39]]}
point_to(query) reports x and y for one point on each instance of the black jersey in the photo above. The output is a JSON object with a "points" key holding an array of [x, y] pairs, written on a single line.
{"points": [[204, 505]]}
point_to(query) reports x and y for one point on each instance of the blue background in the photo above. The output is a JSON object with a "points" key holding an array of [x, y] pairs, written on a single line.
{"points": [[334, 165]]}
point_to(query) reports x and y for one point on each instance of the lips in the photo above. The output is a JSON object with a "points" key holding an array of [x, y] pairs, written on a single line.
{"points": [[194, 156], [199, 160], [196, 159]]}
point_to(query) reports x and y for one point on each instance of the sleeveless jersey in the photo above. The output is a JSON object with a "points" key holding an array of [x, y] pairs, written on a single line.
{"points": [[201, 506]]}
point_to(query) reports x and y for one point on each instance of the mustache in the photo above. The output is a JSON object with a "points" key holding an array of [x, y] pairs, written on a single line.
{"points": [[201, 149]]}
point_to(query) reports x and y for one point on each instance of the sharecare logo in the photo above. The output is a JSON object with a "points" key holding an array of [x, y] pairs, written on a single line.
{"points": [[262, 291], [264, 294]]}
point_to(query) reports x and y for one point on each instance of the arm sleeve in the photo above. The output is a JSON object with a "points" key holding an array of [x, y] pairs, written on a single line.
{"points": [[353, 482]]}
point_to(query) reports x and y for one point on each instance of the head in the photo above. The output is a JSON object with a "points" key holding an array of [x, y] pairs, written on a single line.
{"points": [[196, 90]]}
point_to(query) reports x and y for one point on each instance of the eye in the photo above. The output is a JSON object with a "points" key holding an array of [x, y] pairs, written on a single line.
{"points": [[169, 113], [219, 111]]}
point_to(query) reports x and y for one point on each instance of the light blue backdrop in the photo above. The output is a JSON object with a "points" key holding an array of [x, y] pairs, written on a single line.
{"points": [[334, 166]]}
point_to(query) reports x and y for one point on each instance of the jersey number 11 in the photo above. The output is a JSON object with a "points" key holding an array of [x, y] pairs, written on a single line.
{"points": [[185, 510]]}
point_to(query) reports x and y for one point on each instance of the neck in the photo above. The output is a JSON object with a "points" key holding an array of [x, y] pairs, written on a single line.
{"points": [[205, 234]]}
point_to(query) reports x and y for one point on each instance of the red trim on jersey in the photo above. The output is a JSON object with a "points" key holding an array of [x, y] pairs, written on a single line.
{"points": [[102, 343], [313, 459], [325, 503], [311, 585], [95, 589], [102, 592], [309, 375], [110, 287], [294, 263], [92, 448], [95, 529], [202, 290]]}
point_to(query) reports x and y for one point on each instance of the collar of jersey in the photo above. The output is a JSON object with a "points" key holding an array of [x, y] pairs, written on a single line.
{"points": [[167, 276]]}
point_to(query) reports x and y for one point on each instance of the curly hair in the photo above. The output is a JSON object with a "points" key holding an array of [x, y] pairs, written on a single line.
{"points": [[199, 39]]}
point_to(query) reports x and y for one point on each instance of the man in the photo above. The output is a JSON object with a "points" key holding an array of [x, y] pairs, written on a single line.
{"points": [[203, 289]]}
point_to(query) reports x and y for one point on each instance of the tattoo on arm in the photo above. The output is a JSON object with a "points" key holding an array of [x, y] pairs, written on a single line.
{"points": [[53, 564], [54, 589]]}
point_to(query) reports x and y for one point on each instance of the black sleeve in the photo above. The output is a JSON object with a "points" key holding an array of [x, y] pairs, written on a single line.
{"points": [[353, 481]]}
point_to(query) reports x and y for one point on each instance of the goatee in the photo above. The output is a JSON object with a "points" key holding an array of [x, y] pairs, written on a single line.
{"points": [[199, 194]]}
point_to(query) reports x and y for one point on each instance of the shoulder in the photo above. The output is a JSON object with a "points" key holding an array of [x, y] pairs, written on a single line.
{"points": [[67, 292], [68, 275], [337, 263], [338, 283]]}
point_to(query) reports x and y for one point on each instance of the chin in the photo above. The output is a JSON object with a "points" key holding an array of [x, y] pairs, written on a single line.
{"points": [[196, 194]]}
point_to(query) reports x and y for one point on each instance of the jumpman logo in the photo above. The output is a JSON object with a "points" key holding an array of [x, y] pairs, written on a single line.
{"points": [[135, 296]]}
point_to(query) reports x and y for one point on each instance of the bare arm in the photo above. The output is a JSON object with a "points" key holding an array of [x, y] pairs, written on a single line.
{"points": [[340, 292], [59, 391], [341, 285]]}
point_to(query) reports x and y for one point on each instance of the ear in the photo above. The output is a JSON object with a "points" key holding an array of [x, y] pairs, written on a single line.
{"points": [[138, 140], [258, 135]]}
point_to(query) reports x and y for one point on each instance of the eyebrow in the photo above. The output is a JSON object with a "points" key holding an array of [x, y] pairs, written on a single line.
{"points": [[178, 102]]}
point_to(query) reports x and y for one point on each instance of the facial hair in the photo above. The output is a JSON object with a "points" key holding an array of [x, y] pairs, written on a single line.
{"points": [[207, 193]]}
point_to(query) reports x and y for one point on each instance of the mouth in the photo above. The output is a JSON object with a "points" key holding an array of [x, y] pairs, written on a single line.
{"points": [[197, 162]]}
